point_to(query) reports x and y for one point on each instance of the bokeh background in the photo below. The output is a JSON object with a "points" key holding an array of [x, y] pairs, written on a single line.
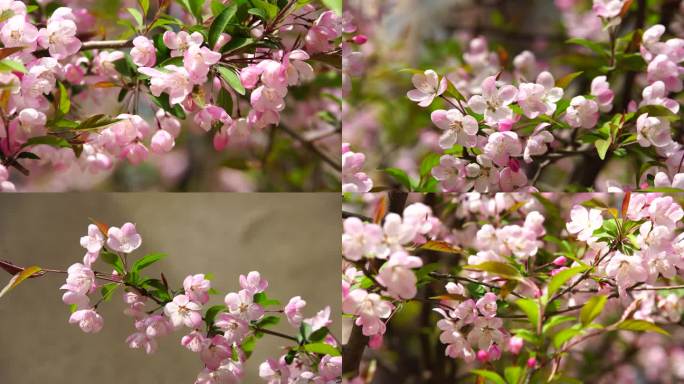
{"points": [[292, 239]]}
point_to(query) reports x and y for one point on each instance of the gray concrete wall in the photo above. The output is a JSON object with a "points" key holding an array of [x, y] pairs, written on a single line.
{"points": [[293, 239]]}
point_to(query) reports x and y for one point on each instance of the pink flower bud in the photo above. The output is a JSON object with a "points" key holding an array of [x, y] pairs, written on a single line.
{"points": [[515, 344], [360, 39], [375, 341], [531, 362], [162, 142], [560, 261], [482, 356], [557, 270]]}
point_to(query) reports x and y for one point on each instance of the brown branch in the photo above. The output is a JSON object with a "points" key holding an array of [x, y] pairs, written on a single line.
{"points": [[312, 147]]}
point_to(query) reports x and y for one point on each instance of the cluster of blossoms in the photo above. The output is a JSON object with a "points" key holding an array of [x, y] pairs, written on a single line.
{"points": [[222, 335], [513, 258], [383, 249], [353, 178], [501, 123], [198, 71]]}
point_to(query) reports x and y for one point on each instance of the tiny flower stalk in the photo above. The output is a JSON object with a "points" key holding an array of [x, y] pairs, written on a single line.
{"points": [[223, 336]]}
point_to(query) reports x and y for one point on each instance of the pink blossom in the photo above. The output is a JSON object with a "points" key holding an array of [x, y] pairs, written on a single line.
{"points": [[197, 62], [162, 142], [539, 98], [663, 180], [515, 344], [494, 101], [360, 239], [457, 128], [125, 239], [157, 326], [487, 305], [139, 340], [183, 311], [241, 304], [181, 41], [59, 37], [511, 180], [627, 270], [501, 146], [17, 32], [211, 114], [665, 211], [537, 142], [274, 372], [330, 368], [370, 309], [428, 86], [607, 9], [249, 76], [215, 352], [293, 311], [274, 74], [486, 331], [604, 95], [582, 112], [136, 153], [656, 94], [397, 277], [230, 372], [234, 329], [197, 288], [451, 174], [253, 283], [195, 341], [320, 320], [457, 346], [94, 241], [143, 52], [173, 80], [325, 29], [662, 68], [353, 180], [653, 131], [88, 320], [80, 280], [584, 222]]}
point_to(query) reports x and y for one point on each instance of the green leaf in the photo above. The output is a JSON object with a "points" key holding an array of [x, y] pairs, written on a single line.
{"points": [[114, 260], [145, 5], [497, 268], [592, 308], [319, 334], [322, 349], [163, 102], [512, 374], [263, 300], [147, 260], [602, 146], [562, 277], [52, 141], [564, 81], [212, 312], [231, 77], [258, 12], [108, 290], [556, 320], [401, 177], [640, 326], [335, 5], [531, 309], [64, 102], [8, 65], [271, 10], [19, 278], [568, 333], [220, 23], [489, 375], [137, 16], [592, 45], [268, 321], [429, 162]]}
